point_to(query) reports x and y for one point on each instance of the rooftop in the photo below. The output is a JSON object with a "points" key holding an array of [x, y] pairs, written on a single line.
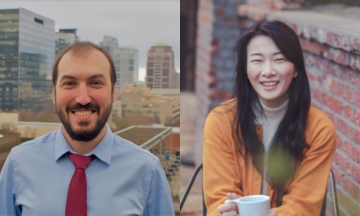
{"points": [[161, 44], [140, 134]]}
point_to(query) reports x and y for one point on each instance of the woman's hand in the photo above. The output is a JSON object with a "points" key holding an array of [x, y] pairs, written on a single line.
{"points": [[230, 209]]}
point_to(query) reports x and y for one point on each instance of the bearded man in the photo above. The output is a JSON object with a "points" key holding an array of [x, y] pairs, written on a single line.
{"points": [[83, 168]]}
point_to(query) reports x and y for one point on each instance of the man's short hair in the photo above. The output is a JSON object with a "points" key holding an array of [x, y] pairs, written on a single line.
{"points": [[81, 49]]}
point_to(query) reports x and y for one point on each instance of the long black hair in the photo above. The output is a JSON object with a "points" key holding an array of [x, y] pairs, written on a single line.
{"points": [[288, 143]]}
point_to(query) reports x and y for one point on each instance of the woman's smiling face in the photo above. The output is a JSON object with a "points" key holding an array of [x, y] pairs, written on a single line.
{"points": [[268, 71]]}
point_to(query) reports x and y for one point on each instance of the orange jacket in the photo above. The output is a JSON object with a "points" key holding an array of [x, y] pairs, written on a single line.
{"points": [[225, 170]]}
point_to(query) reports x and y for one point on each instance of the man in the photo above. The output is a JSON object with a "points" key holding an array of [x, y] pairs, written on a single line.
{"points": [[83, 168]]}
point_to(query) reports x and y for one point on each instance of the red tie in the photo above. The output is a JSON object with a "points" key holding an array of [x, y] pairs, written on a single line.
{"points": [[76, 198]]}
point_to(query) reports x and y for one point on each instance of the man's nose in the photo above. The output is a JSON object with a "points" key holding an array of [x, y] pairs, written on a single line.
{"points": [[83, 96]]}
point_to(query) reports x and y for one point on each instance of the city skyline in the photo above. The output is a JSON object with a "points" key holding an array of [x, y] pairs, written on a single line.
{"points": [[129, 22]]}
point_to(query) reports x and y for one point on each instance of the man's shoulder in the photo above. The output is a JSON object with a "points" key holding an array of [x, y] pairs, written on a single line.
{"points": [[37, 142], [134, 149]]}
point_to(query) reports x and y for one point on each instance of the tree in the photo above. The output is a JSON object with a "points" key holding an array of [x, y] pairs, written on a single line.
{"points": [[26, 115], [131, 119]]}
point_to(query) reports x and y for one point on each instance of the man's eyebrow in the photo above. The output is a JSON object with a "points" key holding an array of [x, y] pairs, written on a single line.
{"points": [[97, 76], [66, 77], [73, 78]]}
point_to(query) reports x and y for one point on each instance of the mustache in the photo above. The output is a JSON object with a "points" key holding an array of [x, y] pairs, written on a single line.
{"points": [[89, 106]]}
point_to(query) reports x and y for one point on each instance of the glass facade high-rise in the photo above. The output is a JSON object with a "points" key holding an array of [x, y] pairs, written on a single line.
{"points": [[64, 38], [126, 60], [27, 51], [160, 69], [110, 44]]}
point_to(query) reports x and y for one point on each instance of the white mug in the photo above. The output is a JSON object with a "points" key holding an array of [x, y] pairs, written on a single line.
{"points": [[253, 205]]}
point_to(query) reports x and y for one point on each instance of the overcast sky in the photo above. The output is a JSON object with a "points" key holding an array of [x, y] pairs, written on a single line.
{"points": [[140, 23]]}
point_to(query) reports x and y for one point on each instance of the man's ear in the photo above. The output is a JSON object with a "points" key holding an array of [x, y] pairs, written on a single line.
{"points": [[53, 95], [114, 94]]}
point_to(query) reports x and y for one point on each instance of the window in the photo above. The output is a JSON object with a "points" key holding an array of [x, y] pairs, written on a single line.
{"points": [[150, 72], [151, 58], [131, 61], [150, 79], [117, 61], [166, 58], [39, 21], [165, 85], [165, 64], [165, 79], [150, 64], [131, 68], [165, 72]]}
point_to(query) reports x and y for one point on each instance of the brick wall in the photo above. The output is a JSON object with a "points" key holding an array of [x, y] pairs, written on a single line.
{"points": [[188, 9], [331, 46], [217, 32]]}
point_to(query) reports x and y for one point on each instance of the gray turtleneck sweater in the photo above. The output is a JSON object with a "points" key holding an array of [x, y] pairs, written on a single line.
{"points": [[269, 121]]}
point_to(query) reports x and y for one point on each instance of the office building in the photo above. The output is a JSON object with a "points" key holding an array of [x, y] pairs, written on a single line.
{"points": [[160, 70], [126, 60], [64, 38], [110, 44], [27, 51], [177, 80]]}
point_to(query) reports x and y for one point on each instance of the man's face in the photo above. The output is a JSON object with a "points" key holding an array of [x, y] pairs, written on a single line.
{"points": [[83, 94]]}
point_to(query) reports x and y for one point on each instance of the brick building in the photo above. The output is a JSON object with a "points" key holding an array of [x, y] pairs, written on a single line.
{"points": [[330, 40]]}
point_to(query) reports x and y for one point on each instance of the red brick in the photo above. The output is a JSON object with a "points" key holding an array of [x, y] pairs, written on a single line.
{"points": [[318, 49], [343, 163], [357, 96], [337, 174], [355, 62], [356, 117], [351, 150], [355, 44], [351, 187], [334, 104], [351, 76], [338, 142], [357, 137], [356, 154], [356, 173], [350, 94], [337, 55], [338, 71], [348, 111], [333, 86]]}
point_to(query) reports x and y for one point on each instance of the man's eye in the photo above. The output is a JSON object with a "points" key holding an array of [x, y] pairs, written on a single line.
{"points": [[68, 83], [96, 82]]}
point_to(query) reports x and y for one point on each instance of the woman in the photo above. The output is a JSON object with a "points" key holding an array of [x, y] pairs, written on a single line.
{"points": [[268, 139]]}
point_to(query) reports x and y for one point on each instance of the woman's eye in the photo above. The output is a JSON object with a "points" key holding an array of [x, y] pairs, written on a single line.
{"points": [[280, 60], [256, 60]]}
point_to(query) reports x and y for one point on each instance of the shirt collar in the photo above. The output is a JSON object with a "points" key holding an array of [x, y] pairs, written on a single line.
{"points": [[102, 150]]}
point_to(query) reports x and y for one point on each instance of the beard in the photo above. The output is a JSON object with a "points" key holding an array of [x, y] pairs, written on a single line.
{"points": [[84, 134]]}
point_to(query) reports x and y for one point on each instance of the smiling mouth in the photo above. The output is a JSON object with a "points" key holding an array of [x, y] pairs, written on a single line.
{"points": [[83, 113], [270, 84]]}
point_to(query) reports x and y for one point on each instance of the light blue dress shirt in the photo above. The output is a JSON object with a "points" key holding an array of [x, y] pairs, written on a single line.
{"points": [[123, 179]]}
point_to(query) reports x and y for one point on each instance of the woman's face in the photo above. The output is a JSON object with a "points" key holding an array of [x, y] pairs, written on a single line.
{"points": [[269, 72]]}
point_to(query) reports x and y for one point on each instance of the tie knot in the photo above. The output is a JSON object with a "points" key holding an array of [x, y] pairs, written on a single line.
{"points": [[80, 161]]}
